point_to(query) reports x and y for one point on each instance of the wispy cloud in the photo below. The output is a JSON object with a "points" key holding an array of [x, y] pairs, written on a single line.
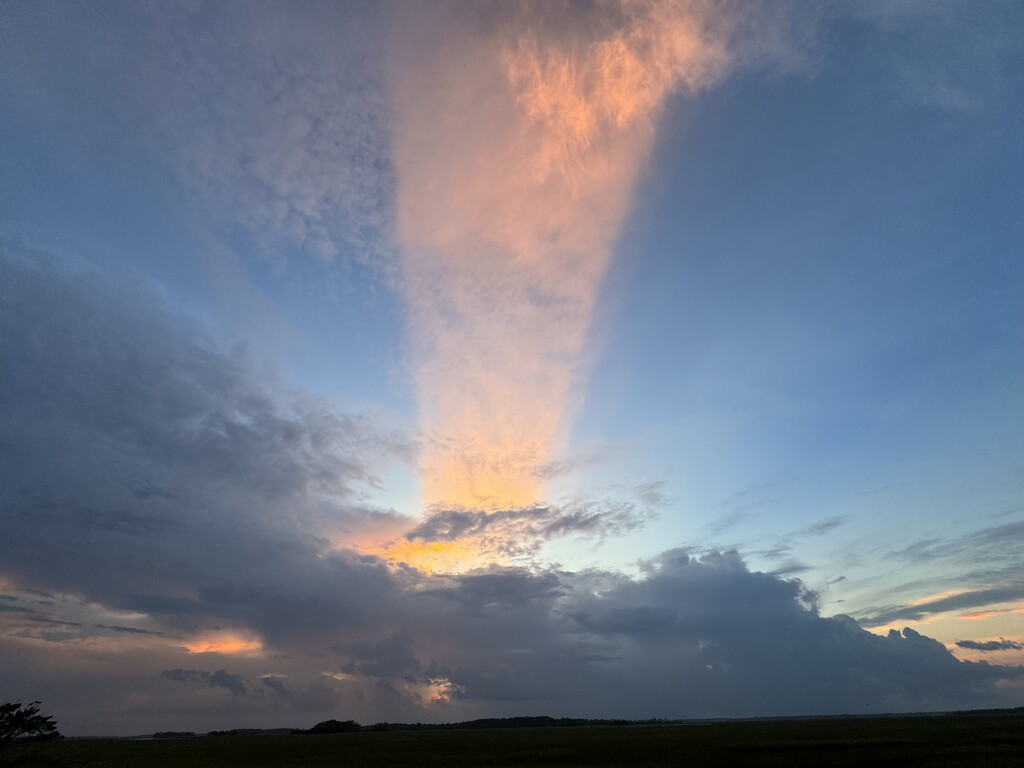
{"points": [[1001, 644], [518, 142]]}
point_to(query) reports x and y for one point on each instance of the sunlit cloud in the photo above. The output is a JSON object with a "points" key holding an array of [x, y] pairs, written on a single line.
{"points": [[434, 556], [458, 539], [438, 690], [987, 614], [937, 596], [227, 643], [517, 146]]}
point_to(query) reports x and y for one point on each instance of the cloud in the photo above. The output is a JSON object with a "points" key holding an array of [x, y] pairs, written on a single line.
{"points": [[519, 137], [272, 691], [956, 56], [967, 599], [984, 565], [129, 630], [822, 527], [990, 645], [105, 393], [699, 635], [391, 657], [273, 121], [522, 530], [236, 684], [499, 589], [233, 558]]}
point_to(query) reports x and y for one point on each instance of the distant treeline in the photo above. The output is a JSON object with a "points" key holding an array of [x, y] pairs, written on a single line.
{"points": [[542, 721], [351, 726], [253, 732]]}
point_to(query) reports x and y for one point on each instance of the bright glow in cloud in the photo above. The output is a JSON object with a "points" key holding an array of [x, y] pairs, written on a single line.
{"points": [[433, 556], [226, 643], [518, 142]]}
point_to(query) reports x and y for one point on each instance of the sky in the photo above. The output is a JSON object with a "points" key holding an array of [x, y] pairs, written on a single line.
{"points": [[433, 361]]}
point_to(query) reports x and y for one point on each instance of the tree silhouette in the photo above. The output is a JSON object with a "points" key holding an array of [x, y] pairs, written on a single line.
{"points": [[335, 726], [24, 722]]}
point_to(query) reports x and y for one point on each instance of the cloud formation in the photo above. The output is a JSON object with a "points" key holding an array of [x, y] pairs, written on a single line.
{"points": [[1001, 644], [191, 541], [178, 520], [273, 119], [983, 568], [520, 131], [216, 679]]}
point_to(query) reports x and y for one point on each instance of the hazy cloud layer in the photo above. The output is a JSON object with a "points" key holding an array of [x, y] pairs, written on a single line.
{"points": [[272, 118]]}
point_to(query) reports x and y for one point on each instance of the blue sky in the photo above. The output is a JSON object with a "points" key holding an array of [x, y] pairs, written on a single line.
{"points": [[264, 269]]}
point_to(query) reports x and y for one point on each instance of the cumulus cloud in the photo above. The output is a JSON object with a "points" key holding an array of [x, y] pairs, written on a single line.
{"points": [[691, 635], [391, 657], [273, 692], [236, 684]]}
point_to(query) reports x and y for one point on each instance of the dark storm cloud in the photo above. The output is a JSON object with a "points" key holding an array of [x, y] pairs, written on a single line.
{"points": [[270, 690], [314, 697], [391, 657], [990, 645], [822, 527], [236, 684], [102, 394], [499, 589], [704, 635]]}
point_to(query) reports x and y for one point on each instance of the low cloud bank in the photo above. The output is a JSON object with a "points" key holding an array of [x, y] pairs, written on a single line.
{"points": [[177, 518]]}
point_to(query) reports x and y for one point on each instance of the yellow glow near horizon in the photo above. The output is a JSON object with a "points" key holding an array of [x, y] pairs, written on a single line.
{"points": [[517, 152]]}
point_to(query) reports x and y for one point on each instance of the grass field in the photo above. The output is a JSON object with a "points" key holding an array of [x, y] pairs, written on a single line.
{"points": [[972, 740]]}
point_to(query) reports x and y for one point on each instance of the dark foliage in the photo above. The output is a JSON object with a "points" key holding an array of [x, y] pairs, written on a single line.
{"points": [[24, 722], [253, 732], [537, 721], [334, 726], [970, 740]]}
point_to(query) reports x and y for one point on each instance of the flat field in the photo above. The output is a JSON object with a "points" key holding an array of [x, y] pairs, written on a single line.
{"points": [[943, 740]]}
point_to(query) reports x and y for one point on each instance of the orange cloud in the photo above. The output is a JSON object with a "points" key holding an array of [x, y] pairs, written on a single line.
{"points": [[517, 145], [432, 556], [228, 643], [987, 614]]}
